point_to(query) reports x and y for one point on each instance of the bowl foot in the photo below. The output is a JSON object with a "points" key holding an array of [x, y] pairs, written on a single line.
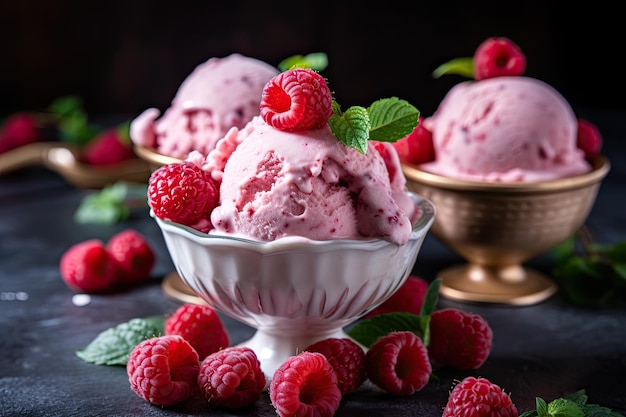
{"points": [[513, 284], [274, 348]]}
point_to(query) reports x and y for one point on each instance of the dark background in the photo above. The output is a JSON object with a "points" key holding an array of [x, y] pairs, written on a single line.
{"points": [[125, 56]]}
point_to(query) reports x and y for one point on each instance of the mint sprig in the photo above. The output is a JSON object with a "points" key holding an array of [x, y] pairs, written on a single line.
{"points": [[111, 204], [113, 346], [385, 120], [317, 61], [571, 405], [590, 273], [459, 66], [367, 331], [72, 120]]}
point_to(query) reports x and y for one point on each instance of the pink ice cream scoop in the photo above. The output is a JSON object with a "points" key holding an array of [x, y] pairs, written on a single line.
{"points": [[507, 129], [219, 94], [276, 184]]}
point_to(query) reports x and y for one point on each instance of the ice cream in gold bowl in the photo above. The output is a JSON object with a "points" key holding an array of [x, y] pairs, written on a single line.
{"points": [[498, 226], [294, 291]]}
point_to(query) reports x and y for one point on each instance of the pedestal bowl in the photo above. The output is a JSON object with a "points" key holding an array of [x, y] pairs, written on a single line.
{"points": [[293, 291], [497, 227]]}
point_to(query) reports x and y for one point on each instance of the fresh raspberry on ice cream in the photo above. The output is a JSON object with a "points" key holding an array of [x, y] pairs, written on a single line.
{"points": [[297, 99], [497, 57]]}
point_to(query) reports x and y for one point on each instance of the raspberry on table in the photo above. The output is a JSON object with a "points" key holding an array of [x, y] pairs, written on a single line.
{"points": [[347, 359], [183, 193], [479, 397], [297, 99], [89, 267], [498, 57], [459, 339], [305, 385], [134, 256], [398, 363], [163, 370], [231, 378], [408, 299], [201, 326]]}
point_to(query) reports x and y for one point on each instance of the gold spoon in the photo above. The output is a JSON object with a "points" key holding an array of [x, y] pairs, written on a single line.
{"points": [[64, 158]]}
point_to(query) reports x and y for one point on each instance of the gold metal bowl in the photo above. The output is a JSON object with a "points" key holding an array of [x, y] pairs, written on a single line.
{"points": [[497, 227]]}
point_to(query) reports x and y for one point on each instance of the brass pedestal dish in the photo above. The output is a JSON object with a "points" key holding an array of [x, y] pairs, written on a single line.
{"points": [[497, 227]]}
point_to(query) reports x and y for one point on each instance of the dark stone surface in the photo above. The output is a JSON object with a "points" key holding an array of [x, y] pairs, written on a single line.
{"points": [[545, 350]]}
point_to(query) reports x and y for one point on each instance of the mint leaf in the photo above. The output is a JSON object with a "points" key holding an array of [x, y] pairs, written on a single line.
{"points": [[317, 61], [111, 204], [113, 346], [431, 298], [369, 330], [65, 106], [562, 407], [571, 405], [352, 128], [589, 273], [460, 66], [391, 119]]}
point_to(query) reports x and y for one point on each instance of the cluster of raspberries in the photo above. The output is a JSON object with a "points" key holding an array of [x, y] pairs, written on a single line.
{"points": [[169, 369]]}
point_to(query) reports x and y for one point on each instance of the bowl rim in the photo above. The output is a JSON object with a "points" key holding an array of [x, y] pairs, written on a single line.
{"points": [[420, 228], [600, 168]]}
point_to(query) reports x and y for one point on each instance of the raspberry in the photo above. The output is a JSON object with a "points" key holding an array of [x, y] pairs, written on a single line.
{"points": [[133, 254], [297, 99], [347, 359], [17, 130], [479, 397], [163, 370], [88, 267], [589, 138], [183, 193], [305, 385], [498, 57], [109, 147], [417, 147], [398, 363], [408, 299], [231, 378], [459, 339], [200, 326]]}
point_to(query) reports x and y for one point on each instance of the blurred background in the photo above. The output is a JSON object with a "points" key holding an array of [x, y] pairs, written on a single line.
{"points": [[124, 56]]}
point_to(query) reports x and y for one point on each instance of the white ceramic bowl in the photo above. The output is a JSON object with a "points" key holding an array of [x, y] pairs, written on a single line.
{"points": [[293, 291]]}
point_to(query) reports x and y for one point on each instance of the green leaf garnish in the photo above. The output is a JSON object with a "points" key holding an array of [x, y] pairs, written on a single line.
{"points": [[352, 128], [391, 119], [317, 61], [369, 330], [113, 346], [111, 204], [460, 66], [386, 120], [571, 405], [72, 120], [589, 273]]}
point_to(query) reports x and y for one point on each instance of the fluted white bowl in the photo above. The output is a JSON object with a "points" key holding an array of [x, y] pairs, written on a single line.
{"points": [[294, 291]]}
